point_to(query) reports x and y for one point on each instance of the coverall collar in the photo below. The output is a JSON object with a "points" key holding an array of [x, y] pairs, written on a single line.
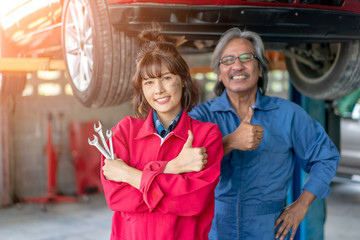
{"points": [[222, 103], [148, 129]]}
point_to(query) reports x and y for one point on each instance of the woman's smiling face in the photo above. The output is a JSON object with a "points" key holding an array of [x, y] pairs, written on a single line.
{"points": [[163, 94]]}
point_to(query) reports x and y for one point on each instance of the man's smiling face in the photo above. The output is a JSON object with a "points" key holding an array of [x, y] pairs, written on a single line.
{"points": [[240, 77]]}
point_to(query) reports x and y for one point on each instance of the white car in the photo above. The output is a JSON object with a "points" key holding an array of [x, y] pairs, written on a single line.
{"points": [[349, 165]]}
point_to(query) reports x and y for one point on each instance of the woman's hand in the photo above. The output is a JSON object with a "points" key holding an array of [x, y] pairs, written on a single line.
{"points": [[117, 170], [114, 169], [189, 159]]}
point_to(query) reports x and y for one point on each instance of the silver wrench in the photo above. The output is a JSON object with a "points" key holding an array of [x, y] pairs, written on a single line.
{"points": [[100, 132], [95, 143], [109, 135]]}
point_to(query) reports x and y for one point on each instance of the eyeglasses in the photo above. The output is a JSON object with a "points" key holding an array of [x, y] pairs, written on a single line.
{"points": [[245, 57]]}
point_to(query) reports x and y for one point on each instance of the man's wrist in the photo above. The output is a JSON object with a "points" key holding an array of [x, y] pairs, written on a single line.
{"points": [[306, 198], [227, 144]]}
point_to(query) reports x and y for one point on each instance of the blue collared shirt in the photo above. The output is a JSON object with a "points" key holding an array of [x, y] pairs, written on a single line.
{"points": [[160, 128], [255, 183]]}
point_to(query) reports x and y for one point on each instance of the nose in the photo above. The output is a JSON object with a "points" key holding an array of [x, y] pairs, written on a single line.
{"points": [[237, 64], [159, 88]]}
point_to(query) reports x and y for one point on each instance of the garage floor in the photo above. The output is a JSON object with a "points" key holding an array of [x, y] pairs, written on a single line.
{"points": [[91, 220], [343, 212]]}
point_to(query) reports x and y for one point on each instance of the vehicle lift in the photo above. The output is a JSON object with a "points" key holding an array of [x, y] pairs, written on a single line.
{"points": [[312, 227], [52, 163], [25, 65], [30, 64]]}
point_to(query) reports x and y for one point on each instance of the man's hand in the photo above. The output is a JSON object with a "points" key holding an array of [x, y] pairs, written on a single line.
{"points": [[293, 215], [246, 137], [189, 159]]}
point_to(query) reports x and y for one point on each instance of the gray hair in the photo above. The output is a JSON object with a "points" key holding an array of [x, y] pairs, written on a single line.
{"points": [[235, 33]]}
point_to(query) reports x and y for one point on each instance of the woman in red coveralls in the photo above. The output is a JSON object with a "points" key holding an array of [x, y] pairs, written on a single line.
{"points": [[161, 185]]}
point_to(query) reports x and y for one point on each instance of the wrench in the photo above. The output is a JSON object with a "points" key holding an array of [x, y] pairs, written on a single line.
{"points": [[109, 134], [100, 132], [95, 143]]}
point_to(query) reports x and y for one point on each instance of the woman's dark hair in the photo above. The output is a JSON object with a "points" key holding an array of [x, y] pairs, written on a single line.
{"points": [[154, 53]]}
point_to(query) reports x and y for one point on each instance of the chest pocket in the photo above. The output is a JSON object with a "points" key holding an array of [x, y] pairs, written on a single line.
{"points": [[273, 151]]}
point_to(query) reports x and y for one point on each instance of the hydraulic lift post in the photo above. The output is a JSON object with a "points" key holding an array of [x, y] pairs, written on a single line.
{"points": [[52, 163], [312, 228]]}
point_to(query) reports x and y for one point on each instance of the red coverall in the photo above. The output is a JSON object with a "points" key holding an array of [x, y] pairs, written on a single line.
{"points": [[167, 206]]}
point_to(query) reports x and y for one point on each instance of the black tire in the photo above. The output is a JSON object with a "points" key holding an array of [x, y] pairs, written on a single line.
{"points": [[12, 83], [336, 72], [110, 63], [123, 70]]}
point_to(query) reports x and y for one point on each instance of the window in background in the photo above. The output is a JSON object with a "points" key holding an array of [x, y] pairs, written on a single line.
{"points": [[68, 90], [49, 89]]}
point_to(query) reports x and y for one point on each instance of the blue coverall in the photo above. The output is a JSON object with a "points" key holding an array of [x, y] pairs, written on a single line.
{"points": [[253, 184]]}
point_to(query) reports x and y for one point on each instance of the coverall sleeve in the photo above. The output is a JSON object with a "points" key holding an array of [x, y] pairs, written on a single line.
{"points": [[316, 154], [122, 196], [185, 194]]}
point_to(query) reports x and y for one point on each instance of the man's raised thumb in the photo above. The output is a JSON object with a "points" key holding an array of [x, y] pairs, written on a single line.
{"points": [[189, 140], [249, 115]]}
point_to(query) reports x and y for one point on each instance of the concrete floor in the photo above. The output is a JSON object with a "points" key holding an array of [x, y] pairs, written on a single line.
{"points": [[83, 220], [91, 220], [343, 212]]}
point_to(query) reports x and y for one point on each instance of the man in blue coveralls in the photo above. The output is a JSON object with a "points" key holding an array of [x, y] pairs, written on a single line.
{"points": [[263, 137]]}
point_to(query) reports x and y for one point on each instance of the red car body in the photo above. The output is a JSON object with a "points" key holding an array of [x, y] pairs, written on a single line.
{"points": [[320, 38]]}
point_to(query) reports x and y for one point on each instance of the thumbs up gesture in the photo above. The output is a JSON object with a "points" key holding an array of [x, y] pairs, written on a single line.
{"points": [[246, 137], [189, 159], [248, 116]]}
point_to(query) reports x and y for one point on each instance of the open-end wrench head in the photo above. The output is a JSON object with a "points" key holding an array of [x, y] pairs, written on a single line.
{"points": [[93, 142], [109, 133], [98, 129]]}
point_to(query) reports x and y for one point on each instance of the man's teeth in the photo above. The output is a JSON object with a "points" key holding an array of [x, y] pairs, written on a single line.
{"points": [[239, 77]]}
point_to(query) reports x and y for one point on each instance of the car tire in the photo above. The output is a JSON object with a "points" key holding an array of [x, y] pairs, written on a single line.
{"points": [[12, 83], [335, 72], [99, 59]]}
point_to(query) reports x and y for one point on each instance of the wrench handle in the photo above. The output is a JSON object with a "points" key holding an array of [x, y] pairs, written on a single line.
{"points": [[103, 152], [103, 141], [111, 148]]}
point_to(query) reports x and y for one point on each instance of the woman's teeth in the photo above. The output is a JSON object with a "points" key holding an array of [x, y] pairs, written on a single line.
{"points": [[162, 99]]}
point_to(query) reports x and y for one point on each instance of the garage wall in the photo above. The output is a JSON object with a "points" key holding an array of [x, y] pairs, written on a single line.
{"points": [[29, 118]]}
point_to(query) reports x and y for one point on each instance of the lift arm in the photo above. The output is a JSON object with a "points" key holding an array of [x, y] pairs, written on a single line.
{"points": [[30, 64]]}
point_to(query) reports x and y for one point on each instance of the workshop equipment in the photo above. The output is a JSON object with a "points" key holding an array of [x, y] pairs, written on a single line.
{"points": [[108, 153], [86, 158], [52, 163]]}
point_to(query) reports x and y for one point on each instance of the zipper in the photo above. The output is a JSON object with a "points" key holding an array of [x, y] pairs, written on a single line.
{"points": [[163, 139]]}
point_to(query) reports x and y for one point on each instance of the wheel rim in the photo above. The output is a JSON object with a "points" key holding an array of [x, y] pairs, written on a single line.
{"points": [[325, 63], [79, 44]]}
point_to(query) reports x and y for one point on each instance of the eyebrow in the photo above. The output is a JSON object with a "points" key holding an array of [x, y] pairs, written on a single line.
{"points": [[233, 55], [162, 74]]}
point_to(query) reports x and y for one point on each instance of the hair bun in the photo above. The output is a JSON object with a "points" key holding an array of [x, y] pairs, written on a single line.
{"points": [[150, 36]]}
